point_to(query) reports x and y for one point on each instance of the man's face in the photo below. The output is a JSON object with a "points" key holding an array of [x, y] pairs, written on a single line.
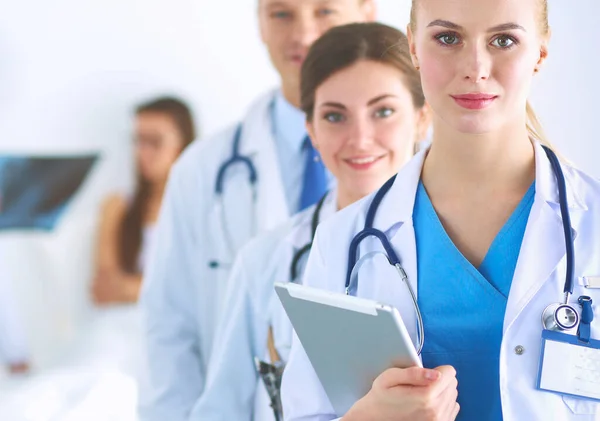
{"points": [[289, 27]]}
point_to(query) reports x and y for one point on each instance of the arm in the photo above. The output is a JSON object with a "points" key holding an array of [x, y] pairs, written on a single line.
{"points": [[13, 346], [241, 335], [169, 302], [111, 284]]}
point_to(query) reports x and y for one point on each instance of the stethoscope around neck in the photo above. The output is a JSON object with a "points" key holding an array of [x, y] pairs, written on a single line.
{"points": [[559, 316], [236, 158], [294, 266]]}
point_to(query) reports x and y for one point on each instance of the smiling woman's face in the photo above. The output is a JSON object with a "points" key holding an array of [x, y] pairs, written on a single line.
{"points": [[365, 125]]}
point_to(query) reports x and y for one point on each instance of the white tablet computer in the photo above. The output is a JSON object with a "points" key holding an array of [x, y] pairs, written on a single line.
{"points": [[350, 341]]}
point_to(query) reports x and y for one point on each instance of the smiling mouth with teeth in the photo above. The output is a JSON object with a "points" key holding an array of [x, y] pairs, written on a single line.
{"points": [[364, 160]]}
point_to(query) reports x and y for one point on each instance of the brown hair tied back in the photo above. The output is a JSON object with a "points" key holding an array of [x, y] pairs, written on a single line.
{"points": [[343, 46], [133, 222]]}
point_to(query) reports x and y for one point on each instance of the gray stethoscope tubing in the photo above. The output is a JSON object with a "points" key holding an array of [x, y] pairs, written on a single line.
{"points": [[351, 290], [354, 263]]}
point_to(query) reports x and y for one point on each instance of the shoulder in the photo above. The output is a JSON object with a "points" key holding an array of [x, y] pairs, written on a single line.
{"points": [[114, 205], [203, 156], [587, 188], [345, 223], [258, 263], [261, 248], [201, 152]]}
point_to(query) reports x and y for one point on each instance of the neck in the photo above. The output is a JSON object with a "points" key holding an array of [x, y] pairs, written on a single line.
{"points": [[291, 93], [460, 163], [491, 162], [157, 190], [346, 197]]}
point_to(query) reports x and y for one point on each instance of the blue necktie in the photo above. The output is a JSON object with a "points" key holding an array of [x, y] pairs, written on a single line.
{"points": [[314, 184]]}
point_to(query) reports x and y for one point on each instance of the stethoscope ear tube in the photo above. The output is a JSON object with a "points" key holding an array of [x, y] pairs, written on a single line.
{"points": [[566, 220], [562, 316]]}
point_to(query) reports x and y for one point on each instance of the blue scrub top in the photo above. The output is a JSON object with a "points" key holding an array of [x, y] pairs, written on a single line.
{"points": [[463, 307]]}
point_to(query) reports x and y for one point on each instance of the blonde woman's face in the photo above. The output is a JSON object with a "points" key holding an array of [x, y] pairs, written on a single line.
{"points": [[477, 59]]}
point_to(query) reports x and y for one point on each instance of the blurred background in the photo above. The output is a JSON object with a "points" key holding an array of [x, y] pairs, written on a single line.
{"points": [[71, 76]]}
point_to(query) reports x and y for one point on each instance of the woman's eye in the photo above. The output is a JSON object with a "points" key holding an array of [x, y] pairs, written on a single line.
{"points": [[334, 117], [503, 41], [281, 15], [448, 39], [384, 112], [325, 12]]}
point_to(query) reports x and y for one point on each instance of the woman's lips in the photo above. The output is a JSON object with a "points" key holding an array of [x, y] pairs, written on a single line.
{"points": [[474, 101], [363, 162]]}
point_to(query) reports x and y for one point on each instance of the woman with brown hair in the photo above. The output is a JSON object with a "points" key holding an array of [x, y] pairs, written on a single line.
{"points": [[365, 113], [163, 128]]}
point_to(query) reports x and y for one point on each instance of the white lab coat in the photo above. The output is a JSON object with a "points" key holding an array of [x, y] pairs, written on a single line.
{"points": [[538, 281], [233, 389], [182, 296]]}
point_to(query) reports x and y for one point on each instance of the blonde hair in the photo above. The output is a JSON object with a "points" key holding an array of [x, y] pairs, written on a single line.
{"points": [[534, 127]]}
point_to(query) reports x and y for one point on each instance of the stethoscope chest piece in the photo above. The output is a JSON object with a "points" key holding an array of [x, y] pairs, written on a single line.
{"points": [[560, 317]]}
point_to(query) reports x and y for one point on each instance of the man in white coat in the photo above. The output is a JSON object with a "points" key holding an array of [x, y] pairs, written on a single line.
{"points": [[200, 231]]}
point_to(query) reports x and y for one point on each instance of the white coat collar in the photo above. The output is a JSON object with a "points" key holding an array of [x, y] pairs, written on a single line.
{"points": [[257, 123], [546, 184], [397, 205], [258, 143], [301, 233]]}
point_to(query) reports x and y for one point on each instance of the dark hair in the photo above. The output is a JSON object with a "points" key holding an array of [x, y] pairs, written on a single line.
{"points": [[343, 46], [132, 223]]}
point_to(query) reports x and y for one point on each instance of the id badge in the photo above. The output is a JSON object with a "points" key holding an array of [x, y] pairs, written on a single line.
{"points": [[569, 366]]}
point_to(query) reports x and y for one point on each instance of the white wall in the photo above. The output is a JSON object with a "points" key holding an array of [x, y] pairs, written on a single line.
{"points": [[70, 73], [567, 93], [72, 70]]}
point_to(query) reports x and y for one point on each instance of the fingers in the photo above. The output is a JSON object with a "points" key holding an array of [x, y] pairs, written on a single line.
{"points": [[447, 381], [448, 403], [414, 376], [454, 412]]}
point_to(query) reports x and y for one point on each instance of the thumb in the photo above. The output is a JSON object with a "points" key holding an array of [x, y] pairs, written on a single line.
{"points": [[413, 376]]}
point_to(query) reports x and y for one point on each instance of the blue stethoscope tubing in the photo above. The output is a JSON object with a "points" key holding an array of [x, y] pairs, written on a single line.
{"points": [[354, 262], [294, 266], [236, 158]]}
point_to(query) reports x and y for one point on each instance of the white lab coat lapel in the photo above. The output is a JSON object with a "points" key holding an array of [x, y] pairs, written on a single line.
{"points": [[543, 248], [258, 129], [257, 143], [299, 236], [302, 233], [394, 218]]}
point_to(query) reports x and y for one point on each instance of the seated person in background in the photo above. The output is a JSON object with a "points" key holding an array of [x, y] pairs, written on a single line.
{"points": [[13, 348], [164, 127]]}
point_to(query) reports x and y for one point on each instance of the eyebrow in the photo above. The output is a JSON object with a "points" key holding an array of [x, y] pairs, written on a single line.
{"points": [[497, 28], [371, 102]]}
